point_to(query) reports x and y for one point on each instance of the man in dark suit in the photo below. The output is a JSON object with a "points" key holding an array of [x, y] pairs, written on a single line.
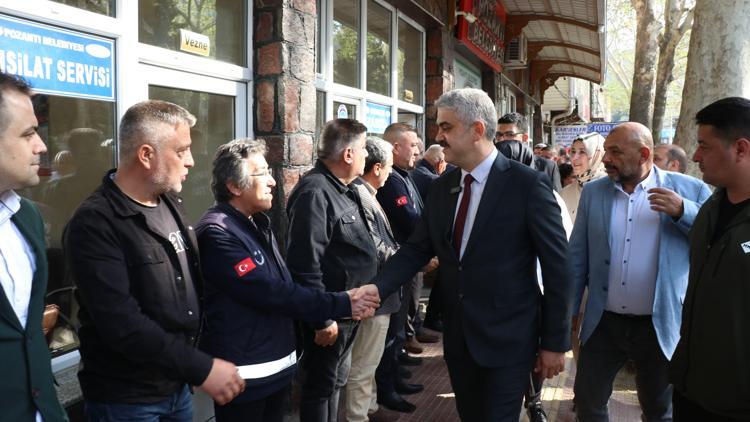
{"points": [[512, 126], [428, 168], [26, 392], [497, 323]]}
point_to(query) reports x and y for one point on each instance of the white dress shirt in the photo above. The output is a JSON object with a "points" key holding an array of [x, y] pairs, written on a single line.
{"points": [[634, 250], [480, 175], [17, 259]]}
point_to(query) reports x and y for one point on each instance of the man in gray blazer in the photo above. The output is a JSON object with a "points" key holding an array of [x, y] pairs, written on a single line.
{"points": [[630, 248]]}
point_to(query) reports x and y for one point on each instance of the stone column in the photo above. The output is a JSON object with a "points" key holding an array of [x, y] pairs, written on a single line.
{"points": [[284, 106], [439, 76]]}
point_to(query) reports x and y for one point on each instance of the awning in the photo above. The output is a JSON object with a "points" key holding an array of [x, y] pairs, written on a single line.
{"points": [[564, 38]]}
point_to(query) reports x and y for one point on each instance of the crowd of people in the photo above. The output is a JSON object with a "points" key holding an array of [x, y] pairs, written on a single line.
{"points": [[624, 258]]}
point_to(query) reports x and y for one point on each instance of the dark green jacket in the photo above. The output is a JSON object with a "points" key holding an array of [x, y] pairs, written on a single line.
{"points": [[711, 365], [26, 374]]}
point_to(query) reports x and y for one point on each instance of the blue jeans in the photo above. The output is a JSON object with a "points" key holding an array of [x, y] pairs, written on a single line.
{"points": [[177, 408]]}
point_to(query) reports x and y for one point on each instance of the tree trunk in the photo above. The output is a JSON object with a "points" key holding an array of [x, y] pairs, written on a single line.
{"points": [[718, 59], [644, 72], [677, 21]]}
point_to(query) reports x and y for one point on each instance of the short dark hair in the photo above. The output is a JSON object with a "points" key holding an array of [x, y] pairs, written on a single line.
{"points": [[9, 83], [337, 135], [396, 129], [730, 118], [513, 119], [565, 170], [676, 153]]}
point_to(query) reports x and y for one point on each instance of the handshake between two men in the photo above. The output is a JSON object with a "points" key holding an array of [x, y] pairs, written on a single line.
{"points": [[365, 300]]}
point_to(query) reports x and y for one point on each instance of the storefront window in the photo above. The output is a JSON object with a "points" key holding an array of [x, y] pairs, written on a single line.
{"points": [[320, 116], [345, 36], [214, 126], [185, 25], [78, 134], [410, 63], [378, 49], [318, 37], [104, 7]]}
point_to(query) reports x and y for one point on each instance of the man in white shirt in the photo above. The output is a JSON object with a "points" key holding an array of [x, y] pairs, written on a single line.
{"points": [[26, 391], [630, 248]]}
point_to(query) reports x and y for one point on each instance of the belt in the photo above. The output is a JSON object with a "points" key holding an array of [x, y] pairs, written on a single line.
{"points": [[628, 316], [262, 370]]}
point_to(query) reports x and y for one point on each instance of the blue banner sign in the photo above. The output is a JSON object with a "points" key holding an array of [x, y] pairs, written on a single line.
{"points": [[602, 128], [378, 118], [57, 61]]}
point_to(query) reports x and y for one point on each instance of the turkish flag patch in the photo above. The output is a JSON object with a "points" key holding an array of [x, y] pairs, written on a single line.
{"points": [[244, 267], [401, 201]]}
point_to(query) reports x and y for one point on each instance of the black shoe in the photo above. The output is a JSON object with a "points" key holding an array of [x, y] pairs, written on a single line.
{"points": [[405, 359], [395, 402], [536, 413], [404, 373], [406, 388], [434, 325]]}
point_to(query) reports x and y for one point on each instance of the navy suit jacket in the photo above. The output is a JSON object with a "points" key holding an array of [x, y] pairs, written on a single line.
{"points": [[491, 298]]}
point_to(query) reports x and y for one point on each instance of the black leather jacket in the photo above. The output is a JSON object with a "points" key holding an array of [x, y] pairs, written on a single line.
{"points": [[328, 243], [139, 316]]}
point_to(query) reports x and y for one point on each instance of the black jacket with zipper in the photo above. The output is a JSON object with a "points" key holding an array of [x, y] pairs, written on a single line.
{"points": [[139, 316]]}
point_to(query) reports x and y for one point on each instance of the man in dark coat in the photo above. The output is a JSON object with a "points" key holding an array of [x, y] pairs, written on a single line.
{"points": [[26, 391], [498, 325]]}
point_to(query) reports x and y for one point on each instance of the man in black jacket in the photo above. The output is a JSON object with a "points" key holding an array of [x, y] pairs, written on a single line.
{"points": [[329, 248], [134, 259], [709, 367], [512, 127]]}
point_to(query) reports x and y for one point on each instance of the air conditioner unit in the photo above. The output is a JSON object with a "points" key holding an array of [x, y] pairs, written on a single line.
{"points": [[515, 53]]}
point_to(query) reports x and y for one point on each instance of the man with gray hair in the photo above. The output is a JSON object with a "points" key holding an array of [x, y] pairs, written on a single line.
{"points": [[497, 325], [368, 346], [670, 157], [329, 248], [428, 169], [134, 258]]}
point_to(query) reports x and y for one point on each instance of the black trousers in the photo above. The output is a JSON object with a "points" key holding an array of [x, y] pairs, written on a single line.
{"points": [[268, 409], [487, 394], [686, 410], [324, 371]]}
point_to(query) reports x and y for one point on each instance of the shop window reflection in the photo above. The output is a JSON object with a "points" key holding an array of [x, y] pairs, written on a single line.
{"points": [[214, 126], [409, 63], [222, 21], [378, 49], [78, 134], [346, 43], [103, 7]]}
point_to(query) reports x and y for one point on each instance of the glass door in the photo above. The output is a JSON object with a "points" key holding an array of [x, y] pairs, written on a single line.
{"points": [[220, 108]]}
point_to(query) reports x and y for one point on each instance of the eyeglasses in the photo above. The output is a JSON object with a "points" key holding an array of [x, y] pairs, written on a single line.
{"points": [[508, 134], [265, 173]]}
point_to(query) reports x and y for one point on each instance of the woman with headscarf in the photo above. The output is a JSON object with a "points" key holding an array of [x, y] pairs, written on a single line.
{"points": [[586, 155]]}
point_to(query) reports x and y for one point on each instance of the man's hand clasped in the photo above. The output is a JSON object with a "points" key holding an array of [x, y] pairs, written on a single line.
{"points": [[223, 382], [365, 300]]}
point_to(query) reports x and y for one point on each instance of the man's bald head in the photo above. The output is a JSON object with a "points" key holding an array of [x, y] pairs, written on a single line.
{"points": [[635, 132]]}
